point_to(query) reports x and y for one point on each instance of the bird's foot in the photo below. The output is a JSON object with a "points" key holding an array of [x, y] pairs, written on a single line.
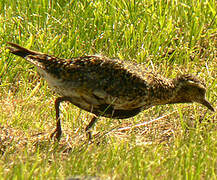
{"points": [[89, 136], [58, 133]]}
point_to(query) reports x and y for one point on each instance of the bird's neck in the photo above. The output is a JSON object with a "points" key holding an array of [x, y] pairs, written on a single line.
{"points": [[161, 92], [176, 93], [167, 92]]}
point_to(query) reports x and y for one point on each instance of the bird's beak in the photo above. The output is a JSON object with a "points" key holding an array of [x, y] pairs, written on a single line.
{"points": [[207, 104]]}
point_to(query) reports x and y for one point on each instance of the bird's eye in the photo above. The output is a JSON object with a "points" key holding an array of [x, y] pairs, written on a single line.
{"points": [[186, 88]]}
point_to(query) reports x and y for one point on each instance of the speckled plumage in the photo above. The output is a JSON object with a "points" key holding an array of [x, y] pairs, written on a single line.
{"points": [[110, 87]]}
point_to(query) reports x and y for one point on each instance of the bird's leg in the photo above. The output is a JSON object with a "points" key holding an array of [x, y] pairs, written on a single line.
{"points": [[58, 130], [87, 129]]}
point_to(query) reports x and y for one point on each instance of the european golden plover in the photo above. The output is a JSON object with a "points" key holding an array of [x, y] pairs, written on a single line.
{"points": [[110, 87]]}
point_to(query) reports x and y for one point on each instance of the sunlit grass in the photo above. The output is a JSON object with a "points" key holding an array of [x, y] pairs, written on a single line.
{"points": [[167, 36]]}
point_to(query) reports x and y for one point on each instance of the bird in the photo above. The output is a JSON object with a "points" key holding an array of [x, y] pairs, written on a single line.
{"points": [[110, 87]]}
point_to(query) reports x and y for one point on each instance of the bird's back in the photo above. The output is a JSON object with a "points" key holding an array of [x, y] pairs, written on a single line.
{"points": [[96, 72]]}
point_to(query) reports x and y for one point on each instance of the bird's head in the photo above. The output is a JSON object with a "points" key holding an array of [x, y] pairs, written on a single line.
{"points": [[190, 89]]}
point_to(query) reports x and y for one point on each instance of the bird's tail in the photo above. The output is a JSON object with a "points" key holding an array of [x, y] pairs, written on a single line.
{"points": [[21, 51]]}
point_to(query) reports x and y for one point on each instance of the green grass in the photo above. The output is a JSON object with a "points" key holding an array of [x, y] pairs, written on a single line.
{"points": [[167, 36]]}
